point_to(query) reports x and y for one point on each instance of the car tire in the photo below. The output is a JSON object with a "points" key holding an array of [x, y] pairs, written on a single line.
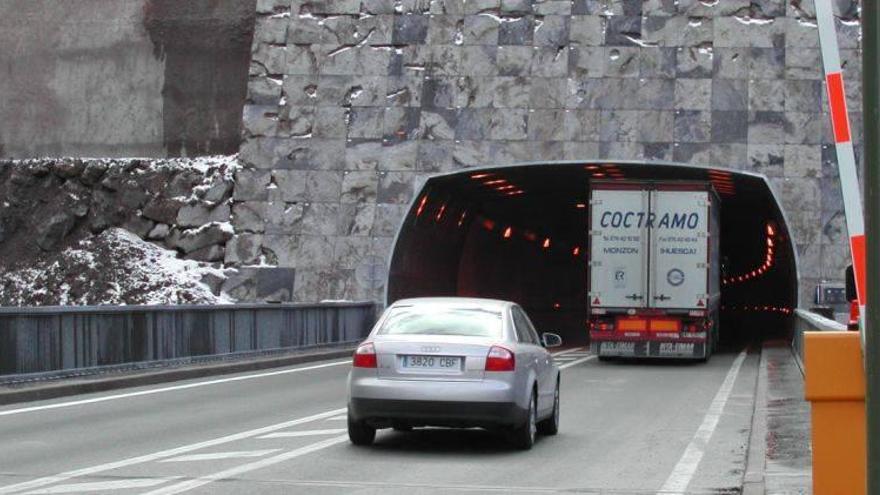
{"points": [[550, 426], [523, 436], [360, 433]]}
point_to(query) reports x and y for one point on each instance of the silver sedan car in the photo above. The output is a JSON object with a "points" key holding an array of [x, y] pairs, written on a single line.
{"points": [[454, 362]]}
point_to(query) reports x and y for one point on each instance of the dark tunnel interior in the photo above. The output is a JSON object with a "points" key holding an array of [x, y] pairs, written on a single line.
{"points": [[520, 233]]}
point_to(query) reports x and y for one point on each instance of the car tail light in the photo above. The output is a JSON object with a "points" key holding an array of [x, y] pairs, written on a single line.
{"points": [[500, 359], [365, 356]]}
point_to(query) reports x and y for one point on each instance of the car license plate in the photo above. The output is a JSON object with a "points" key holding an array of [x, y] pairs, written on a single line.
{"points": [[432, 362]]}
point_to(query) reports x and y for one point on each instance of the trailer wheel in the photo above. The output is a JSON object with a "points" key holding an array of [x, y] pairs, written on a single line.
{"points": [[709, 347]]}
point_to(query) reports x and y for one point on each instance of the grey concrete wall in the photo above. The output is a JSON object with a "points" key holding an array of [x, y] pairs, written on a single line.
{"points": [[109, 78], [352, 103]]}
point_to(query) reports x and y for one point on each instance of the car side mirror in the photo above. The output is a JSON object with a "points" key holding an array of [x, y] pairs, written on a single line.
{"points": [[551, 340]]}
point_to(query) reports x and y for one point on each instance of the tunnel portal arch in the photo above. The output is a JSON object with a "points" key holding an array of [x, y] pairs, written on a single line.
{"points": [[519, 232]]}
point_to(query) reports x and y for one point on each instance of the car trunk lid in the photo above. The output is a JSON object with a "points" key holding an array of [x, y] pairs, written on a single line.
{"points": [[434, 358]]}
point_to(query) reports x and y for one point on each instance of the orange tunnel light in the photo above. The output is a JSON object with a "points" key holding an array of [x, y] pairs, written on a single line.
{"points": [[421, 206], [440, 212]]}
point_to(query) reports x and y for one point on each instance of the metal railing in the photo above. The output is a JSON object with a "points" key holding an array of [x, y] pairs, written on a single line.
{"points": [[43, 339], [808, 321]]}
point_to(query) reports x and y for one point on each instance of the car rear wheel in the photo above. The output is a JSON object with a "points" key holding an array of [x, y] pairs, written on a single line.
{"points": [[523, 436], [550, 426], [360, 433]]}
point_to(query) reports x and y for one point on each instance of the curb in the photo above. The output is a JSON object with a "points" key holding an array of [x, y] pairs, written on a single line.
{"points": [[44, 392], [754, 479]]}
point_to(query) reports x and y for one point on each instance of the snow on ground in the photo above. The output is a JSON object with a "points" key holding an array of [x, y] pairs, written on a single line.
{"points": [[115, 267]]}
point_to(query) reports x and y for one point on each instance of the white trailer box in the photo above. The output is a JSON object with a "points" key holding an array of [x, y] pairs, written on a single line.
{"points": [[654, 268]]}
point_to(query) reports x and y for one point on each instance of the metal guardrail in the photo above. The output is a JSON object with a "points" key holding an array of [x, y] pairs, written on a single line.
{"points": [[41, 339], [808, 321]]}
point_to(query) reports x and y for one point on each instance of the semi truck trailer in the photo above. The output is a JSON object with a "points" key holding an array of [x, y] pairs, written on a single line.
{"points": [[655, 269]]}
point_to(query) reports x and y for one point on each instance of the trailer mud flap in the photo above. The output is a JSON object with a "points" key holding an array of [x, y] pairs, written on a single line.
{"points": [[652, 349]]}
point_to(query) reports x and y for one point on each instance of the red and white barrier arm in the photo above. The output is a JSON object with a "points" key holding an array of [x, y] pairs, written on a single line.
{"points": [[846, 160]]}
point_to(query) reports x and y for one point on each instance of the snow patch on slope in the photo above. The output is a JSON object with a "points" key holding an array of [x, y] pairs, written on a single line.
{"points": [[115, 267]]}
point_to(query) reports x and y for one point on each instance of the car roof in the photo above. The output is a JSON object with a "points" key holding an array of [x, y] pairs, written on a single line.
{"points": [[496, 304]]}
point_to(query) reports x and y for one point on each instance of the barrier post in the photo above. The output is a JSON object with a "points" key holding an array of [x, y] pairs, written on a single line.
{"points": [[871, 107]]}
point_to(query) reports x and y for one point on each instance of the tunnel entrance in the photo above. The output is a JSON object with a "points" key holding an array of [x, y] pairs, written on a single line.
{"points": [[520, 233]]}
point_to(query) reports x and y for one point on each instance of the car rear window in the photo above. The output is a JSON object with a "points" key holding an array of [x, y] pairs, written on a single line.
{"points": [[471, 322]]}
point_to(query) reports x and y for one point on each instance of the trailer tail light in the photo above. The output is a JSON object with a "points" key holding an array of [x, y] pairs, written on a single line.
{"points": [[602, 326], [500, 359], [632, 324], [365, 356], [665, 325]]}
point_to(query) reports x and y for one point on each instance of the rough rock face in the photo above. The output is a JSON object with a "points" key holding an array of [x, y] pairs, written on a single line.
{"points": [[352, 103], [55, 213], [114, 267]]}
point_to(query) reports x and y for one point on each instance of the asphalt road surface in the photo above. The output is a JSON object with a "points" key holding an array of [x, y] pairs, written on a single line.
{"points": [[637, 427]]}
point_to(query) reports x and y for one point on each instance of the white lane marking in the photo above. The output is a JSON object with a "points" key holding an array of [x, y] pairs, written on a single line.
{"points": [[238, 470], [341, 417], [243, 454], [683, 472], [169, 389], [306, 433], [579, 361], [103, 486], [48, 480], [561, 353], [571, 357]]}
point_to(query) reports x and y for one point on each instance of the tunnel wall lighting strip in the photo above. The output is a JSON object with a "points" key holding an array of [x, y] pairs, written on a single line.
{"points": [[440, 212], [769, 261], [758, 309], [422, 205]]}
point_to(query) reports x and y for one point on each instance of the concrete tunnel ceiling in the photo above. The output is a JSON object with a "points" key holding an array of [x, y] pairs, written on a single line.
{"points": [[520, 233]]}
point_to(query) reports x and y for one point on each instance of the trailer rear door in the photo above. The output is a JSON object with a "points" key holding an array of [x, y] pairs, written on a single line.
{"points": [[679, 249], [618, 248]]}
